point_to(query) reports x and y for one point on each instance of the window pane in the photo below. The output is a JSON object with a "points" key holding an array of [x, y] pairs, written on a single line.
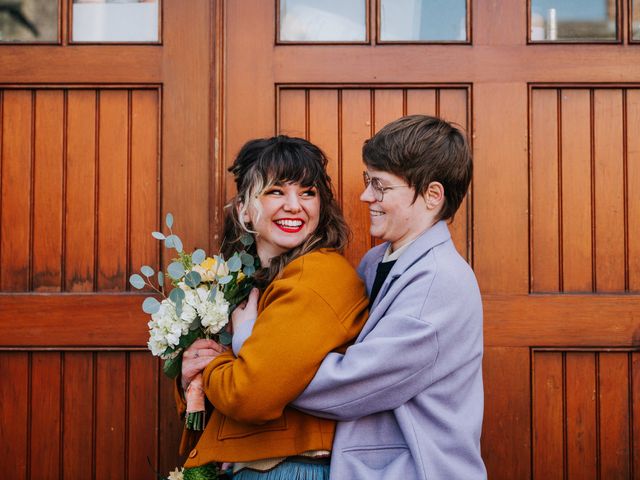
{"points": [[115, 20], [323, 21], [423, 20], [573, 20], [28, 21], [635, 24]]}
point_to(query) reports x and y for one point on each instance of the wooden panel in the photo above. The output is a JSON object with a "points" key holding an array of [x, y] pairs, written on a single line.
{"points": [[14, 398], [15, 216], [581, 416], [110, 420], [453, 108], [633, 188], [48, 191], [506, 438], [169, 428], [613, 389], [113, 177], [78, 454], [635, 413], [548, 418], [79, 258], [500, 242], [609, 191], [142, 415], [388, 105], [421, 101], [293, 113], [576, 191], [45, 410], [323, 130], [545, 241], [145, 177], [355, 111]]}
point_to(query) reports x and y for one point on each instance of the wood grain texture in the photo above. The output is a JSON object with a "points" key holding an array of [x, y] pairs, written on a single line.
{"points": [[293, 113], [633, 188], [323, 131], [14, 424], [421, 101]]}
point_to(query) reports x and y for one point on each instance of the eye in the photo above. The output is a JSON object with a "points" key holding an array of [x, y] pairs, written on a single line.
{"points": [[310, 192], [274, 191]]}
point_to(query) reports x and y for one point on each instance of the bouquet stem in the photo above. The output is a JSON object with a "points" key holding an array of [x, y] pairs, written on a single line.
{"points": [[195, 417], [195, 420]]}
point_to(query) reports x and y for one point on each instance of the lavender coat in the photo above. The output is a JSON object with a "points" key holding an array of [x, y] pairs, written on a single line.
{"points": [[408, 394]]}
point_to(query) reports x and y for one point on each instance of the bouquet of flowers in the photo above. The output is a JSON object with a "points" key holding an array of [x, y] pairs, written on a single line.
{"points": [[204, 291]]}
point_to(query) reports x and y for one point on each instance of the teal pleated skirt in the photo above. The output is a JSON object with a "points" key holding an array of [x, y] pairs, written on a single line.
{"points": [[289, 469]]}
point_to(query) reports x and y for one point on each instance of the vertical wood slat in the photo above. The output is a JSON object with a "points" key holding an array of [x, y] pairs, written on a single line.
{"points": [[356, 112], [15, 218], [323, 130], [293, 113], [48, 177], [614, 406], [633, 188], [113, 138], [576, 190], [609, 191], [79, 251], [634, 393], [421, 101], [581, 415], [170, 426], [454, 108], [14, 398], [78, 421], [45, 411], [548, 418], [388, 105], [507, 420], [545, 251], [145, 177], [110, 411]]}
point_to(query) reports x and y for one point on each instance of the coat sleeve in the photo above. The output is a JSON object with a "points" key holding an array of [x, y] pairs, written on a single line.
{"points": [[389, 366], [293, 333]]}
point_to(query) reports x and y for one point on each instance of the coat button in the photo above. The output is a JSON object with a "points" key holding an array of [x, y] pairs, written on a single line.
{"points": [[193, 453]]}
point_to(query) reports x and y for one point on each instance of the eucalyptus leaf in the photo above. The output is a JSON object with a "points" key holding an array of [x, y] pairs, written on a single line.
{"points": [[160, 278], [176, 295], [175, 270], [249, 270], [196, 324], [169, 220], [192, 279], [234, 263], [173, 241], [168, 242], [147, 271], [136, 281], [246, 239], [158, 235], [212, 295], [246, 259], [198, 257], [150, 305], [226, 279], [224, 337]]}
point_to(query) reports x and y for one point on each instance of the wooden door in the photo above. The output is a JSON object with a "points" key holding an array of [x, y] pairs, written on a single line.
{"points": [[97, 142], [551, 225]]}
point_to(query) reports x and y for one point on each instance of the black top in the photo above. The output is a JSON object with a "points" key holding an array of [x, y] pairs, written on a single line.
{"points": [[381, 274]]}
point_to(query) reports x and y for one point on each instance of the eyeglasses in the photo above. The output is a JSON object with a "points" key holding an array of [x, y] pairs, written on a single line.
{"points": [[376, 186]]}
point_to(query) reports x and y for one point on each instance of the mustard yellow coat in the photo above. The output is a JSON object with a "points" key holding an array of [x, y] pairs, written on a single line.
{"points": [[317, 305]]}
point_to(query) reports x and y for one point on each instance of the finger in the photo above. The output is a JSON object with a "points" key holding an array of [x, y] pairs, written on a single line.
{"points": [[202, 343], [254, 295]]}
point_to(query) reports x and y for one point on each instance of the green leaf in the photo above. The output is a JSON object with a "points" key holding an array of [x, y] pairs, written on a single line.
{"points": [[176, 295], [246, 259], [147, 271], [158, 235], [150, 305], [249, 270], [246, 239], [169, 220], [160, 278], [175, 270], [198, 256], [188, 339], [173, 241], [234, 263], [224, 337], [172, 366], [225, 280], [192, 279], [136, 281]]}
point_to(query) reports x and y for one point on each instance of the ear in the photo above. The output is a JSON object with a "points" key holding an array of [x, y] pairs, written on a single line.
{"points": [[434, 197], [245, 215]]}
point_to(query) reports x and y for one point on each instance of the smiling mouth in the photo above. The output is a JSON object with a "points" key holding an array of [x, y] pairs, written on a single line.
{"points": [[289, 225], [375, 213]]}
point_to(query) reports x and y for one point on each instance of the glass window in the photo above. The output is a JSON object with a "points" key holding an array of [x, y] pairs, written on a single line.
{"points": [[423, 20], [323, 21], [573, 20], [635, 20], [115, 20], [28, 21]]}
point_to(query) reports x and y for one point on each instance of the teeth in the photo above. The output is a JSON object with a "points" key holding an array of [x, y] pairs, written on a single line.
{"points": [[289, 223], [375, 213]]}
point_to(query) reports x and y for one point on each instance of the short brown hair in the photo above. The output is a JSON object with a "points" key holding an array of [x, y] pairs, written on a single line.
{"points": [[421, 149]]}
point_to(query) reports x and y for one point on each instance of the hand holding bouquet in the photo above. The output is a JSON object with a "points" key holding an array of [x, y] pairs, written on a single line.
{"points": [[204, 292]]}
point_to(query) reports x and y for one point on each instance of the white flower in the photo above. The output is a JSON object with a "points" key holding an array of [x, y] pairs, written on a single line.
{"points": [[165, 328], [214, 314], [211, 268], [177, 474]]}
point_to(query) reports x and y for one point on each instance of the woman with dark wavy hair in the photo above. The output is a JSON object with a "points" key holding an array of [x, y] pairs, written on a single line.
{"points": [[311, 303]]}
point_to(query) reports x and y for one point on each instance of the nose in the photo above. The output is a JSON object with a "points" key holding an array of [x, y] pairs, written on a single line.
{"points": [[292, 203], [367, 195]]}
